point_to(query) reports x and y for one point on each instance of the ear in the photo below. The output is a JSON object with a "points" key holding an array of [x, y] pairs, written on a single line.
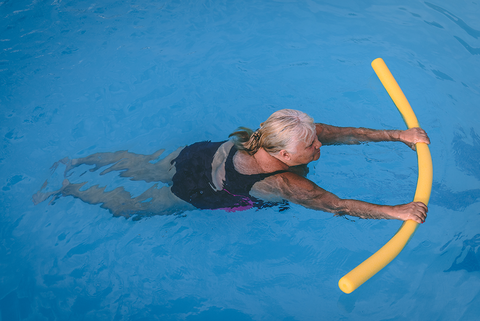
{"points": [[284, 155]]}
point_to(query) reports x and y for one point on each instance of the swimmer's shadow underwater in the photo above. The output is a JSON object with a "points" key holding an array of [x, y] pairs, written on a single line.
{"points": [[156, 200]]}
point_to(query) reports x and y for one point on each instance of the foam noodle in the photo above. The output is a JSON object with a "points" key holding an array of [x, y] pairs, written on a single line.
{"points": [[389, 251]]}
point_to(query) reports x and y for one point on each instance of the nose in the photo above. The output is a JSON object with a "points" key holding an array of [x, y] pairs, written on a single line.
{"points": [[318, 144]]}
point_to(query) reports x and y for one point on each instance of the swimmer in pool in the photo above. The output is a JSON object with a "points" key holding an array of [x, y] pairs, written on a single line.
{"points": [[253, 169]]}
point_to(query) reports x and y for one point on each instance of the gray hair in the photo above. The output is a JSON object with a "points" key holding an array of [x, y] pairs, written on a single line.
{"points": [[282, 130]]}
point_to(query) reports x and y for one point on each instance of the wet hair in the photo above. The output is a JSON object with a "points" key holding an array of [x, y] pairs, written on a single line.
{"points": [[282, 130]]}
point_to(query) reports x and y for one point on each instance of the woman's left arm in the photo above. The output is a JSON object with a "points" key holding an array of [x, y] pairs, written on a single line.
{"points": [[333, 135]]}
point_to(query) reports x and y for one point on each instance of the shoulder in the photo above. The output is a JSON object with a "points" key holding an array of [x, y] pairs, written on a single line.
{"points": [[245, 164], [285, 185]]}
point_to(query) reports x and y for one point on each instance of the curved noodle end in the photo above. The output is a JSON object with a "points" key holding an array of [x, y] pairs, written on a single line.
{"points": [[346, 285]]}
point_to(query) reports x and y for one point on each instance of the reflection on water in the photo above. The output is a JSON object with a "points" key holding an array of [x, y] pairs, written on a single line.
{"points": [[469, 258], [467, 155], [457, 201], [466, 151]]}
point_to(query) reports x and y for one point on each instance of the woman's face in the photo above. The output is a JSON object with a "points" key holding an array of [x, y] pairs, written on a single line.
{"points": [[305, 152]]}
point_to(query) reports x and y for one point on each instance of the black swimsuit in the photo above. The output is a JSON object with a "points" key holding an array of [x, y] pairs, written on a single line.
{"points": [[193, 182]]}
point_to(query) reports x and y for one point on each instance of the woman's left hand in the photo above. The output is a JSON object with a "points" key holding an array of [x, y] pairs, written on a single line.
{"points": [[414, 135]]}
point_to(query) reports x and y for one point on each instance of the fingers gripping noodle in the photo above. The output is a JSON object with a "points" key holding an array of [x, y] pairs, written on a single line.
{"points": [[389, 251]]}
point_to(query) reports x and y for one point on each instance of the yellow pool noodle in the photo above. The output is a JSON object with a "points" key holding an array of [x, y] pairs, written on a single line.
{"points": [[389, 251]]}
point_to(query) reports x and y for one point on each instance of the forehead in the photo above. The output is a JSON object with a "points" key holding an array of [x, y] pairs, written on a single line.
{"points": [[309, 138], [305, 141]]}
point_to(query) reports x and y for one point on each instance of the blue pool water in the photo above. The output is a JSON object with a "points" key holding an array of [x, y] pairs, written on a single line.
{"points": [[79, 77]]}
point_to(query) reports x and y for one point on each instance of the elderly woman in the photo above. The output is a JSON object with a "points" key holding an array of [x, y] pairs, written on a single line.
{"points": [[253, 169]]}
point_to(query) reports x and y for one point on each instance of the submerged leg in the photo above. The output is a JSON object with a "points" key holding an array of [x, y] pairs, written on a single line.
{"points": [[153, 201], [135, 166], [40, 196]]}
